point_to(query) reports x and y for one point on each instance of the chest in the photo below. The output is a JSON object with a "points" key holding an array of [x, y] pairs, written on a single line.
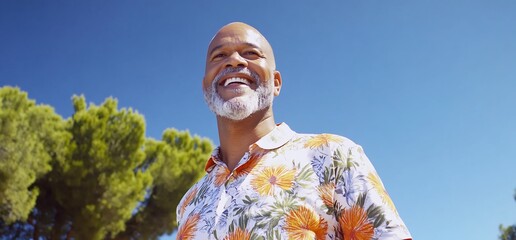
{"points": [[274, 198]]}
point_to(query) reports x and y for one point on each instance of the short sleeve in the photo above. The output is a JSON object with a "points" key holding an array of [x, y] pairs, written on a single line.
{"points": [[363, 206]]}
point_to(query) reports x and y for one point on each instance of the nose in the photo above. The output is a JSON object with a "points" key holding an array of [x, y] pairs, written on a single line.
{"points": [[235, 60]]}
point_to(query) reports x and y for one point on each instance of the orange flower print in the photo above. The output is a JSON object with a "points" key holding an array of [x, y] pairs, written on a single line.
{"points": [[354, 224], [188, 229], [238, 234], [248, 166], [188, 199], [266, 180], [221, 175], [326, 193], [378, 186], [322, 140], [305, 223]]}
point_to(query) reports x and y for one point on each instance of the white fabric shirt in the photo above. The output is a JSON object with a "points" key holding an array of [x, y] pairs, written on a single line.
{"points": [[291, 186]]}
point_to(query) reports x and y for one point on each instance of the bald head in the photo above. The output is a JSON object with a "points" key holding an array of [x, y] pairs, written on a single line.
{"points": [[238, 31]]}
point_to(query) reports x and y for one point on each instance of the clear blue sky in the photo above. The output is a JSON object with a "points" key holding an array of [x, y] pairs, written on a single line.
{"points": [[428, 88]]}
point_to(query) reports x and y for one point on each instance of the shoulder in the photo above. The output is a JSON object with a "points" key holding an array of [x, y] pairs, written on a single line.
{"points": [[198, 190], [335, 151], [324, 141], [326, 151]]}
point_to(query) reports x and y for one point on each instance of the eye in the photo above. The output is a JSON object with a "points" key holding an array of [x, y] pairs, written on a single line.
{"points": [[218, 56], [250, 53]]}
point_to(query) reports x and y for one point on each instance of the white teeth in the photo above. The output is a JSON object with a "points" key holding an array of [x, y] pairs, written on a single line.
{"points": [[237, 80]]}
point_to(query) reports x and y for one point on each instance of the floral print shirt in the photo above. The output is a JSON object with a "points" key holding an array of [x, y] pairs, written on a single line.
{"points": [[291, 186]]}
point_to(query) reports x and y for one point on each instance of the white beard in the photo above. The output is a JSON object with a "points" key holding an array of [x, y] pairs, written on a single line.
{"points": [[241, 107]]}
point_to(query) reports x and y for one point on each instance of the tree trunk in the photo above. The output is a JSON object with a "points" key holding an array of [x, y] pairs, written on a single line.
{"points": [[69, 233], [32, 220], [59, 222]]}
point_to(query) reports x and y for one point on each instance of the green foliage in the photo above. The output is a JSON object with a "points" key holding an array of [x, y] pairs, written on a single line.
{"points": [[30, 137], [509, 232], [98, 186], [175, 163], [92, 176]]}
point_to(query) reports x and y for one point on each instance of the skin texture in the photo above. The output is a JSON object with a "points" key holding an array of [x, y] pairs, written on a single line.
{"points": [[240, 45]]}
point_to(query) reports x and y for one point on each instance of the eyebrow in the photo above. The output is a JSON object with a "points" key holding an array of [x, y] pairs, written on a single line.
{"points": [[222, 45]]}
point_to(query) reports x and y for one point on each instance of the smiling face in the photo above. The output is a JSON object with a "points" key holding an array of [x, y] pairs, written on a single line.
{"points": [[240, 76]]}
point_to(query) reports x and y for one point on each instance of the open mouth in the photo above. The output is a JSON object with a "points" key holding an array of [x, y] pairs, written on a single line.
{"points": [[236, 81]]}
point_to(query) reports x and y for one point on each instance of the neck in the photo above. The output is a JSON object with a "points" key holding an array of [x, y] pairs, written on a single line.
{"points": [[236, 136]]}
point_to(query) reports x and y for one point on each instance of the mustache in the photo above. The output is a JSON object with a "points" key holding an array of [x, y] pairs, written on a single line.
{"points": [[242, 70]]}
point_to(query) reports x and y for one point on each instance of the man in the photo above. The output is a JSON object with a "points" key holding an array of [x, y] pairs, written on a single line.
{"points": [[265, 181]]}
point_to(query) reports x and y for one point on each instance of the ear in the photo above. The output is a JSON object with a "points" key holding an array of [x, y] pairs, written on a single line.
{"points": [[277, 83]]}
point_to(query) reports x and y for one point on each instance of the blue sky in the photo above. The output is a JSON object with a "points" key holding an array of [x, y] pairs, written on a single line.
{"points": [[426, 87]]}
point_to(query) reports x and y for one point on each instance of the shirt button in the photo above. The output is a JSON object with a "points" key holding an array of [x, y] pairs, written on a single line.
{"points": [[230, 179]]}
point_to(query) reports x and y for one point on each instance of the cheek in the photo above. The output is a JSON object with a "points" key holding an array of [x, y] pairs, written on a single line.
{"points": [[206, 81], [259, 69], [210, 74], [203, 85], [266, 71]]}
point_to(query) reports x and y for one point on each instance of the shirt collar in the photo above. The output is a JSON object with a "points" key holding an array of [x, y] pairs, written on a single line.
{"points": [[276, 138]]}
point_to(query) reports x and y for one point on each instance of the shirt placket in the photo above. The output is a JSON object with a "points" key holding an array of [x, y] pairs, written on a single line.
{"points": [[226, 198]]}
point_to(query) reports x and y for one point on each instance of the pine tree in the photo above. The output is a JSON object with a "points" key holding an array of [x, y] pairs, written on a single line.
{"points": [[99, 186], [92, 176], [30, 137], [175, 163], [509, 232]]}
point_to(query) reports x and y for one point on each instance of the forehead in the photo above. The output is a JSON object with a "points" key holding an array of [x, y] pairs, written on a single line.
{"points": [[237, 36]]}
